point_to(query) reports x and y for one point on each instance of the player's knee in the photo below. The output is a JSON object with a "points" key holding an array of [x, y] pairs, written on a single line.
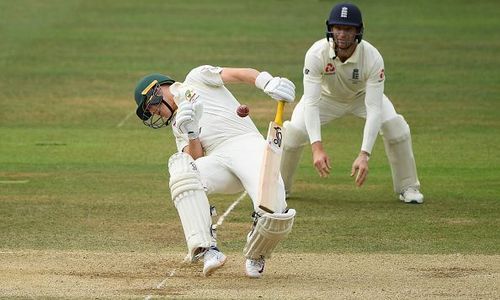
{"points": [[268, 231], [396, 130], [184, 175], [294, 136]]}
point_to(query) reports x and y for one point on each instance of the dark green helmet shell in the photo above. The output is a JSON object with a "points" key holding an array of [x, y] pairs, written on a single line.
{"points": [[141, 85]]}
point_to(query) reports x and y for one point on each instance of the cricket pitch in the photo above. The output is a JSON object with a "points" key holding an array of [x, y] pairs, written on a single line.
{"points": [[59, 274]]}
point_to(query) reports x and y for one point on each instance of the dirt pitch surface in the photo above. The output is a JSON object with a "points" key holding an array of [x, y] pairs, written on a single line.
{"points": [[56, 274]]}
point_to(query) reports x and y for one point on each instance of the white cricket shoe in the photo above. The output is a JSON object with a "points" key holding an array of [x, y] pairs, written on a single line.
{"points": [[255, 267], [411, 195], [212, 260]]}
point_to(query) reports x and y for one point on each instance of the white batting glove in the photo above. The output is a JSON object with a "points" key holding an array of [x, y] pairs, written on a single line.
{"points": [[188, 117], [277, 87]]}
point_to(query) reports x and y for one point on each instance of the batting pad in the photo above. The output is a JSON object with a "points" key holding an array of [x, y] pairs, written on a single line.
{"points": [[191, 202], [398, 147], [269, 230]]}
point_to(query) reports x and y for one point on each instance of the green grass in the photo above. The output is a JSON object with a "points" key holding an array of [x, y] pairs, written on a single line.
{"points": [[69, 69]]}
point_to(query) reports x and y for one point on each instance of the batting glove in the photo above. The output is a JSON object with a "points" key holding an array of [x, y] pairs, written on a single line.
{"points": [[277, 87], [188, 117]]}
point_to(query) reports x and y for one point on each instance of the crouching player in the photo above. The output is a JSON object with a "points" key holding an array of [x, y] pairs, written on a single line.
{"points": [[344, 75], [219, 152]]}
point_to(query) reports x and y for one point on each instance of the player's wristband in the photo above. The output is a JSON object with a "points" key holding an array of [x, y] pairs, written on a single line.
{"points": [[192, 135], [262, 80], [365, 153]]}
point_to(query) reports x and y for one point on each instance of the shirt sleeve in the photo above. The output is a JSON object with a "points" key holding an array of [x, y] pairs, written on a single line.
{"points": [[373, 101], [208, 75], [313, 75]]}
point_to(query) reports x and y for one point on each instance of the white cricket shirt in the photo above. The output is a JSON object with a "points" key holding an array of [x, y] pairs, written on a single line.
{"points": [[328, 79], [219, 121]]}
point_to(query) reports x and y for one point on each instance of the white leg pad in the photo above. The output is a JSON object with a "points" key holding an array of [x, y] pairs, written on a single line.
{"points": [[293, 145], [398, 147], [191, 202], [268, 231]]}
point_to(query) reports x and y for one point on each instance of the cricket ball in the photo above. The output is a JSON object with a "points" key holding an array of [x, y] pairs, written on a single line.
{"points": [[243, 111]]}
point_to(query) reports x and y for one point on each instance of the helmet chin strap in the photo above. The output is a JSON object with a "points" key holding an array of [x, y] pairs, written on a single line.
{"points": [[336, 49], [333, 47]]}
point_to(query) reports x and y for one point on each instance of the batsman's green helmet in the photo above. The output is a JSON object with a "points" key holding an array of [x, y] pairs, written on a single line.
{"points": [[143, 84]]}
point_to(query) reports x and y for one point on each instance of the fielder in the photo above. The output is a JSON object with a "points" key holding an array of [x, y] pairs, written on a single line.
{"points": [[219, 152], [344, 74]]}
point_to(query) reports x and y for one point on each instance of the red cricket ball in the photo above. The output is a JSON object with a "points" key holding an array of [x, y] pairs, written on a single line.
{"points": [[243, 111]]}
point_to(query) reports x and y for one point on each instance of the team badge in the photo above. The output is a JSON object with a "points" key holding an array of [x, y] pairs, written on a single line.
{"points": [[355, 74], [190, 95], [343, 12]]}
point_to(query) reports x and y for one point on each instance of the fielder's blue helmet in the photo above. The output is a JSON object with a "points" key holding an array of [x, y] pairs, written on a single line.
{"points": [[345, 14]]}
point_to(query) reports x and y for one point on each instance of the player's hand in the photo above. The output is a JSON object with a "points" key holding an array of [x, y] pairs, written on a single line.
{"points": [[321, 160], [280, 89], [188, 117], [360, 168], [277, 87]]}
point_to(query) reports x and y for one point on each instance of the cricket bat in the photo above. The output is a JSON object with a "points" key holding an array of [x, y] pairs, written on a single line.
{"points": [[270, 168]]}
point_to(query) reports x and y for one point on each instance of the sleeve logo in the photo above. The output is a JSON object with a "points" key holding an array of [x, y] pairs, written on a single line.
{"points": [[329, 69]]}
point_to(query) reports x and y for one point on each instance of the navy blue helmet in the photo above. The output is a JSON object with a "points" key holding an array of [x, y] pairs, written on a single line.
{"points": [[345, 14]]}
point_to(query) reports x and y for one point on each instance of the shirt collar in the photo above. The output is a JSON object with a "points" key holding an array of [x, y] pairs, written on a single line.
{"points": [[355, 55], [175, 90]]}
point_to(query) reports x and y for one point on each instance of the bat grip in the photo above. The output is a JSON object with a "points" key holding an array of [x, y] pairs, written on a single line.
{"points": [[278, 119]]}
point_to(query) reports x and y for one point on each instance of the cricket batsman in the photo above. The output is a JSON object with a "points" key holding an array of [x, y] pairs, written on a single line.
{"points": [[344, 74], [218, 152]]}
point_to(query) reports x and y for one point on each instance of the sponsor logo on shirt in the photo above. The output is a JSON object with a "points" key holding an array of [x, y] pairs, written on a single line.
{"points": [[329, 69], [306, 71], [381, 75]]}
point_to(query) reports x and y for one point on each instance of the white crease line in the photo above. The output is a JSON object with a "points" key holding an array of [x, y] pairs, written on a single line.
{"points": [[219, 222], [161, 284], [125, 119], [13, 181], [229, 209]]}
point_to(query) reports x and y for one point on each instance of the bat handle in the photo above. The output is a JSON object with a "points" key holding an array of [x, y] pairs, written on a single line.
{"points": [[278, 119]]}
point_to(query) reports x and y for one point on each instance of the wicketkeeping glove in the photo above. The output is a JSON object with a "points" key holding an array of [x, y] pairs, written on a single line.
{"points": [[188, 117], [277, 87]]}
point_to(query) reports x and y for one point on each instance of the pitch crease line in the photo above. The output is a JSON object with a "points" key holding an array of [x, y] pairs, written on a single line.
{"points": [[229, 209], [125, 119], [13, 181], [219, 222]]}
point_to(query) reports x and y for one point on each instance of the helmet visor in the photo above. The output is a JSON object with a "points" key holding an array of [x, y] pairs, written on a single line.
{"points": [[152, 94], [153, 99]]}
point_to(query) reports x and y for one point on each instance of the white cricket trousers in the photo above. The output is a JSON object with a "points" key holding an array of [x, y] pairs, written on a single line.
{"points": [[234, 166]]}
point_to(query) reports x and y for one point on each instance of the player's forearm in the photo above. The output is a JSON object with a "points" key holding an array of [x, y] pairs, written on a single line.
{"points": [[313, 123], [370, 132], [194, 149], [239, 75], [311, 98], [373, 100]]}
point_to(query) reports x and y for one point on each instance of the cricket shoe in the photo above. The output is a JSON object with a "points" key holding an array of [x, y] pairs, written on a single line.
{"points": [[411, 195], [212, 260], [255, 267]]}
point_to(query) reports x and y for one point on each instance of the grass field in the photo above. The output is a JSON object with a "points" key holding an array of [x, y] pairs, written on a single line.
{"points": [[85, 210]]}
